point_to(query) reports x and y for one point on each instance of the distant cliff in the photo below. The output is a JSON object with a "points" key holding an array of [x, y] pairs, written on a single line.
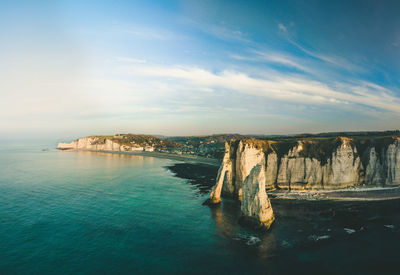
{"points": [[204, 146], [310, 164], [100, 144]]}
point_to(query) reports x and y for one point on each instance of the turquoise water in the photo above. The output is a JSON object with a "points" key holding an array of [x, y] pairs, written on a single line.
{"points": [[94, 213]]}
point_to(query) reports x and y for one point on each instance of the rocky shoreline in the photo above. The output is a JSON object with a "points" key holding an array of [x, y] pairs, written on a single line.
{"points": [[360, 194], [202, 176], [206, 179]]}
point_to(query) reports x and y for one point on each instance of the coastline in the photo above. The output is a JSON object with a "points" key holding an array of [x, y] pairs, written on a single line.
{"points": [[361, 194], [184, 158]]}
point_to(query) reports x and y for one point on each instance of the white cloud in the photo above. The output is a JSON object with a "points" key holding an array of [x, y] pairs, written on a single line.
{"points": [[220, 31], [147, 33], [282, 27], [274, 57], [130, 60], [286, 60], [279, 86], [333, 60]]}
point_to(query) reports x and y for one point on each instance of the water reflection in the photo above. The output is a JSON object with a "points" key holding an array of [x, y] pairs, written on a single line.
{"points": [[226, 216], [303, 229], [111, 157], [260, 245]]}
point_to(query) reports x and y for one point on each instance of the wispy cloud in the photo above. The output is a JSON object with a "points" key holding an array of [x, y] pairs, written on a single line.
{"points": [[333, 60], [288, 88], [274, 57], [283, 59], [282, 27], [220, 32], [130, 60], [148, 33]]}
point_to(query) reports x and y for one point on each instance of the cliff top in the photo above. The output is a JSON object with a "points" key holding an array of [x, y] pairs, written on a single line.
{"points": [[321, 148]]}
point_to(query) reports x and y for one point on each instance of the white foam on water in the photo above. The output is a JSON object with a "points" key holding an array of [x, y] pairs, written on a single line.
{"points": [[391, 226], [170, 172], [316, 238], [250, 240], [349, 230], [253, 240], [286, 244]]}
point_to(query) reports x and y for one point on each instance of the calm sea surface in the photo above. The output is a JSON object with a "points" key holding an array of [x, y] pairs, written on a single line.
{"points": [[94, 213]]}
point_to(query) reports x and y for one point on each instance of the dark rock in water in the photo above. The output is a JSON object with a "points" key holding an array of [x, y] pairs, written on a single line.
{"points": [[200, 175]]}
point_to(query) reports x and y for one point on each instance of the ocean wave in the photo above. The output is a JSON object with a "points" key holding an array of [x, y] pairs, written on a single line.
{"points": [[316, 238]]}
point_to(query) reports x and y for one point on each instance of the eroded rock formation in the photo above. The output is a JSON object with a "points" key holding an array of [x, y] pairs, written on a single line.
{"points": [[256, 207], [318, 164], [312, 165], [224, 172]]}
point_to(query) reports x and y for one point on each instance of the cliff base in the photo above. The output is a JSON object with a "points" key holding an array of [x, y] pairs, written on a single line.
{"points": [[255, 224]]}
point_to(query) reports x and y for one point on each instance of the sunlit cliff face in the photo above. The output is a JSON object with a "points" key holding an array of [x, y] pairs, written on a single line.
{"points": [[320, 164]]}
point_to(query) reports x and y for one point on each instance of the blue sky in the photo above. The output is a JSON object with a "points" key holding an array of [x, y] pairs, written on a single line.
{"points": [[74, 68]]}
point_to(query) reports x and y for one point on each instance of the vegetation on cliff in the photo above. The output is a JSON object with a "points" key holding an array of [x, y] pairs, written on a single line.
{"points": [[316, 146], [322, 146], [363, 146]]}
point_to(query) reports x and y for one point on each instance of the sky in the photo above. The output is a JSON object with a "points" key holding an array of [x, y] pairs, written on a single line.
{"points": [[76, 68]]}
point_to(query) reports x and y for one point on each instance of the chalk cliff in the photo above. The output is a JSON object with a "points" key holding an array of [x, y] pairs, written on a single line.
{"points": [[93, 143], [224, 179], [250, 166], [310, 164], [255, 207]]}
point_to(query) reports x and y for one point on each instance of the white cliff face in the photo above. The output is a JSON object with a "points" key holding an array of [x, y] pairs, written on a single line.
{"points": [[225, 170], [341, 170], [101, 144], [243, 172], [296, 170], [271, 170], [344, 168], [98, 144], [255, 203], [67, 146], [247, 156], [393, 163], [228, 187], [374, 171]]}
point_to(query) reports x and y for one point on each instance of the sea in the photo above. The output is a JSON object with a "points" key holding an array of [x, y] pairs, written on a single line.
{"points": [[74, 212]]}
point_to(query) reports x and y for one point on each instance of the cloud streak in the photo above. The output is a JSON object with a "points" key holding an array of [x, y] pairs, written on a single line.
{"points": [[282, 27], [333, 60], [130, 60], [289, 88]]}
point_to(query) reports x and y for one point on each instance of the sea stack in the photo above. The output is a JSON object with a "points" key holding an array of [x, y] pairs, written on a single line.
{"points": [[256, 206], [241, 176]]}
